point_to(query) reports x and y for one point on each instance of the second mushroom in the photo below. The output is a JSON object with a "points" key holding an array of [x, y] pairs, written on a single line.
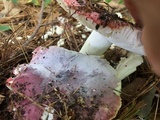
{"points": [[110, 28]]}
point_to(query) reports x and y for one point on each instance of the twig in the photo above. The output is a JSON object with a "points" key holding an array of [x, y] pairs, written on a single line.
{"points": [[50, 23], [39, 24], [20, 44], [155, 115], [75, 41], [7, 19], [35, 103], [5, 46]]}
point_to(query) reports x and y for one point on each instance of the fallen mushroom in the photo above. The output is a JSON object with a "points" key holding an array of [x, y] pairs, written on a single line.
{"points": [[115, 29], [67, 85]]}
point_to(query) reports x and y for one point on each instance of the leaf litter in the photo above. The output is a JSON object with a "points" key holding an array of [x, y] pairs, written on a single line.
{"points": [[15, 48]]}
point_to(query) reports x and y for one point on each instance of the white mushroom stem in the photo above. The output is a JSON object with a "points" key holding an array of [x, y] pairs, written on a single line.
{"points": [[96, 44], [125, 37]]}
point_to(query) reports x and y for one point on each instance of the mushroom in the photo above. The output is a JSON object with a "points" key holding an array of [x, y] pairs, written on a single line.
{"points": [[65, 84], [110, 26]]}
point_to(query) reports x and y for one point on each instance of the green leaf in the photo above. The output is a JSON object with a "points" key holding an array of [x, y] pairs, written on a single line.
{"points": [[15, 2], [35, 2], [121, 2], [47, 2], [108, 1], [4, 27]]}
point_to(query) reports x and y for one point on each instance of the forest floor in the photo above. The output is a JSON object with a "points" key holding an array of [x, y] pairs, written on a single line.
{"points": [[15, 49]]}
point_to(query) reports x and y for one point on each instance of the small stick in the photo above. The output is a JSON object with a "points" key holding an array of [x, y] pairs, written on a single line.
{"points": [[39, 24]]}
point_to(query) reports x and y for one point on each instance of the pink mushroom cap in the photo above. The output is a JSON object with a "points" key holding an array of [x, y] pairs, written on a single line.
{"points": [[56, 76]]}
